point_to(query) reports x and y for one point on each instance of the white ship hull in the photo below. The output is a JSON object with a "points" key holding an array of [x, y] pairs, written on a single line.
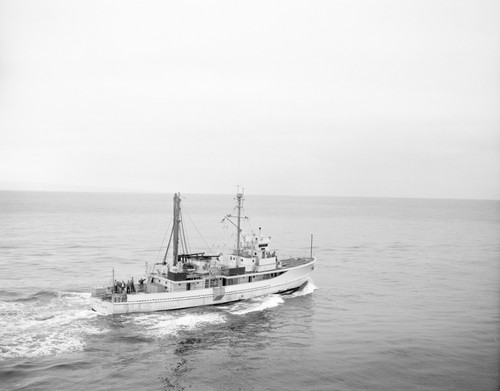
{"points": [[289, 279]]}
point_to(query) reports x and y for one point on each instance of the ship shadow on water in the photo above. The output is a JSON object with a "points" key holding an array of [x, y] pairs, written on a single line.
{"points": [[176, 375], [236, 329], [186, 370], [226, 355]]}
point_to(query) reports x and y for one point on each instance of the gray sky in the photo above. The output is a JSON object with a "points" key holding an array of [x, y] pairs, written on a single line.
{"points": [[348, 98]]}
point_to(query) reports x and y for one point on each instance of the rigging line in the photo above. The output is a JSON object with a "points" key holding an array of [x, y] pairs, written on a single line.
{"points": [[163, 241], [180, 244], [246, 223], [186, 240], [183, 239], [168, 245], [188, 245], [222, 233], [183, 245], [182, 233], [196, 228]]}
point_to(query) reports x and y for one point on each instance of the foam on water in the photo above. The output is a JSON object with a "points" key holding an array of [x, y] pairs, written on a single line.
{"points": [[265, 302], [170, 324], [256, 304], [165, 324], [46, 326], [81, 297]]}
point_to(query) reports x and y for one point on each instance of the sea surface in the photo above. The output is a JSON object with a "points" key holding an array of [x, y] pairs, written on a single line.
{"points": [[404, 296]]}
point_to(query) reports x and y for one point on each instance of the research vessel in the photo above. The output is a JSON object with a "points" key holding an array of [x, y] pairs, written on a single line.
{"points": [[250, 270]]}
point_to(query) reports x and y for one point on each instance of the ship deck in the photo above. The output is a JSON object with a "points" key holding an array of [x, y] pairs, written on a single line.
{"points": [[293, 262]]}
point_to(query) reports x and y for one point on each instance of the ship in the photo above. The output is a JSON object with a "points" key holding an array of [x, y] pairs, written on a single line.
{"points": [[189, 280]]}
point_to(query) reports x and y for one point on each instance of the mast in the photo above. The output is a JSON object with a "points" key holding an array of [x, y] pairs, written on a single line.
{"points": [[239, 198], [177, 220]]}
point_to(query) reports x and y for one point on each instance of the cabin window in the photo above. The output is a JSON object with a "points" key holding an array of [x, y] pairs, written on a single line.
{"points": [[212, 282]]}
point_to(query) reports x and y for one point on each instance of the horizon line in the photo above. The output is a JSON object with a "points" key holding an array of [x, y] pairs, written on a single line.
{"points": [[122, 191]]}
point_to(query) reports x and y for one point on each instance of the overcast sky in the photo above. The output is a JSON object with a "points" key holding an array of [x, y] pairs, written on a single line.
{"points": [[343, 98]]}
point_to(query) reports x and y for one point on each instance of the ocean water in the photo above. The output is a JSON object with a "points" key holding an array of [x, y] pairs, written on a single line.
{"points": [[404, 296]]}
